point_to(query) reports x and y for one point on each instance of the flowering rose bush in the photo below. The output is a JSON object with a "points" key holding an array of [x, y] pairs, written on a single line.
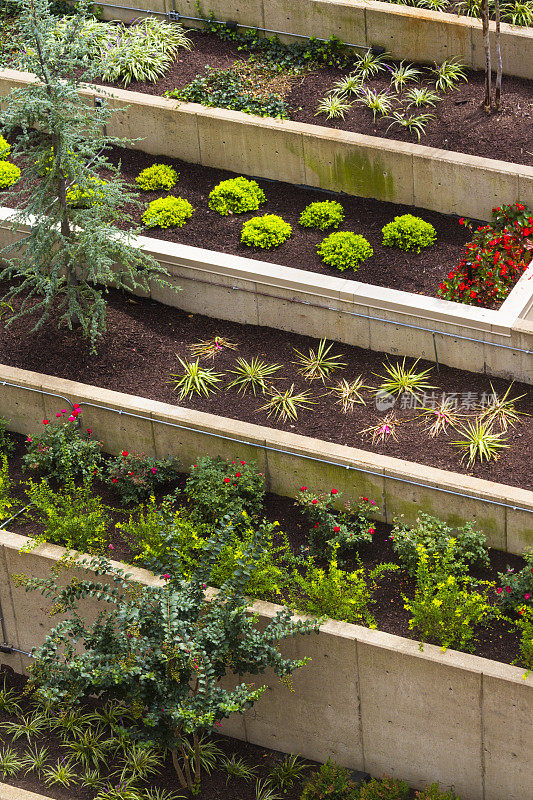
{"points": [[334, 529], [516, 588], [135, 476], [63, 451], [494, 260], [216, 488]]}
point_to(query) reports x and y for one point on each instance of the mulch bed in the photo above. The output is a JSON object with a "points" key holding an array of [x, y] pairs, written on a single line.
{"points": [[460, 124], [140, 349], [499, 641]]}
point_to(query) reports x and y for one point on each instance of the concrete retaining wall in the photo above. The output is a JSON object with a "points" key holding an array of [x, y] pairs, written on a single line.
{"points": [[311, 155], [371, 700], [287, 460], [412, 33], [386, 320]]}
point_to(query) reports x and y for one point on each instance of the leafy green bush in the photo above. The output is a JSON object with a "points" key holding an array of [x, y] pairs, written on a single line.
{"points": [[235, 196], [166, 212], [330, 782], [327, 214], [9, 174], [135, 476], [158, 176], [333, 528], [63, 452], [6, 503], [434, 792], [409, 233], [216, 488], [79, 198], [516, 588], [6, 442], [73, 517], [470, 548], [344, 250], [384, 789], [5, 148], [266, 231], [447, 607], [525, 625]]}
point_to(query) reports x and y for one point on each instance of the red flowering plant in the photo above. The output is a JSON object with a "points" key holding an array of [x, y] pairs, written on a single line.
{"points": [[334, 529], [64, 450], [216, 488], [515, 588], [493, 260], [135, 476]]}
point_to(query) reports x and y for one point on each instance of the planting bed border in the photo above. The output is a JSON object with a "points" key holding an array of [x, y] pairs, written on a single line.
{"points": [[310, 155], [504, 513], [413, 33], [254, 292], [371, 700]]}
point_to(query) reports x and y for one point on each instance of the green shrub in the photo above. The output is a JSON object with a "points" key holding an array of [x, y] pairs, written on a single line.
{"points": [[327, 214], [73, 517], [6, 503], [79, 198], [330, 782], [135, 476], [6, 442], [384, 789], [216, 488], [5, 148], [266, 231], [434, 792], [525, 625], [447, 607], [409, 233], [470, 548], [158, 176], [9, 174], [516, 588], [166, 212], [235, 196], [63, 452], [344, 250]]}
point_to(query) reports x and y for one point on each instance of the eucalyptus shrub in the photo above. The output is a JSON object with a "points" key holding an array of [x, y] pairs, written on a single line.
{"points": [[162, 649]]}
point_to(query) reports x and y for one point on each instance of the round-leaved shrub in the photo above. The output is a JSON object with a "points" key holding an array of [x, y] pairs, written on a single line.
{"points": [[235, 196], [5, 149], [167, 212], [266, 231], [9, 174], [327, 214], [344, 250], [409, 233], [158, 176]]}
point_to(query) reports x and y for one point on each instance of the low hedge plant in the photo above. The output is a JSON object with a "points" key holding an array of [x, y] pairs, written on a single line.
{"points": [[322, 215], [344, 250], [265, 232], [236, 196], [158, 176], [409, 233], [167, 212]]}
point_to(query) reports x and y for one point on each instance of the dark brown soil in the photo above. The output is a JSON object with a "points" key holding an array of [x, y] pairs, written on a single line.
{"points": [[499, 641], [139, 352], [460, 123]]}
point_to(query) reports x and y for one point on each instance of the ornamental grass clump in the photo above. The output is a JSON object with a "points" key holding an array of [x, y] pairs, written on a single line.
{"points": [[409, 233], [9, 174], [285, 405], [158, 176], [399, 379], [236, 196], [194, 379], [479, 442], [267, 231], [322, 215], [344, 250], [318, 365], [167, 212], [254, 374]]}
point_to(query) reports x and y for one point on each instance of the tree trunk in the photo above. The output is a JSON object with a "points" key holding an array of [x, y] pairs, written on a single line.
{"points": [[486, 46], [179, 771], [499, 65]]}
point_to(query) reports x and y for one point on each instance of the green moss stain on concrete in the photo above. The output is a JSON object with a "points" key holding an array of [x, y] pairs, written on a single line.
{"points": [[353, 172]]}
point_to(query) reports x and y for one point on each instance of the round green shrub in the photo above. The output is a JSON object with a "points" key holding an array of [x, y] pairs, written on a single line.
{"points": [[78, 198], [158, 176], [235, 196], [167, 212], [9, 174], [327, 214], [5, 149], [266, 231], [409, 233], [344, 250], [330, 781]]}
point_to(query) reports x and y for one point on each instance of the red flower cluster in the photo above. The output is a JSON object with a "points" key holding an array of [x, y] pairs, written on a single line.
{"points": [[494, 260]]}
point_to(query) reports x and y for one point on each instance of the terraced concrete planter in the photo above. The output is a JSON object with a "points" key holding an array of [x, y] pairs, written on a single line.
{"points": [[311, 155], [412, 33], [259, 293], [371, 700], [504, 513]]}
